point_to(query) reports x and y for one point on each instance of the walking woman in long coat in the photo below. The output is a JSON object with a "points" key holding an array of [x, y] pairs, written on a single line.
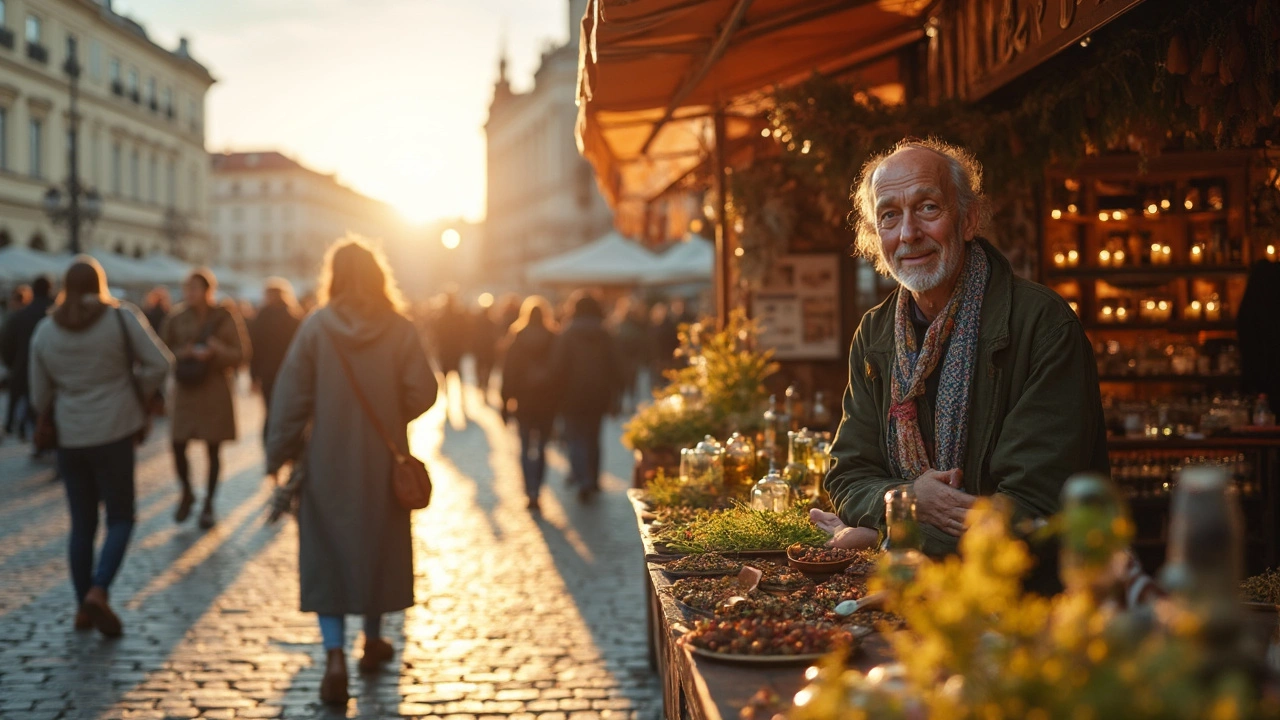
{"points": [[355, 551], [210, 343]]}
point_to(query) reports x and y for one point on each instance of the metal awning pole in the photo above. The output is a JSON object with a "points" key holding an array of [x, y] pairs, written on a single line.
{"points": [[722, 277]]}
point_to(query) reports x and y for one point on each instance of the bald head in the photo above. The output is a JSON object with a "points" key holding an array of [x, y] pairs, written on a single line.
{"points": [[950, 170]]}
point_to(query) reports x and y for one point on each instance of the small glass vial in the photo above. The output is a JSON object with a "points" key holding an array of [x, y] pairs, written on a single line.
{"points": [[901, 522], [771, 427], [739, 461], [771, 493], [820, 415], [796, 472]]}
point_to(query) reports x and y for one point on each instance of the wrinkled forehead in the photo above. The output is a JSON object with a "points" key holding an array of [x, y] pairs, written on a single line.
{"points": [[911, 170]]}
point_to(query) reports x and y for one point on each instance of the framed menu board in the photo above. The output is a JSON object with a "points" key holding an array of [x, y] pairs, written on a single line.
{"points": [[798, 307]]}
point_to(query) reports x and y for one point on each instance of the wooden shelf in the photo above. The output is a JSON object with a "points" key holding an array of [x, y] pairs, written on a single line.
{"points": [[1206, 379], [1153, 274], [1173, 326]]}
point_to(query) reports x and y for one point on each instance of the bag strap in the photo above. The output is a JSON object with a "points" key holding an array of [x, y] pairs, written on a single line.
{"points": [[131, 361], [364, 401]]}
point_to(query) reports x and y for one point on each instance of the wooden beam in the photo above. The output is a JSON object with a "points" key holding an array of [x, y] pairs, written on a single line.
{"points": [[693, 80]]}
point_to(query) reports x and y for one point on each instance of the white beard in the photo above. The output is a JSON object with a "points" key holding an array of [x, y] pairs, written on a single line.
{"points": [[946, 264]]}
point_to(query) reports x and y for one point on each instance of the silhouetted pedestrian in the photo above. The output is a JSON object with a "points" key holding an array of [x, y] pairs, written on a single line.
{"points": [[270, 333], [588, 374], [664, 338], [210, 343], [15, 350], [1258, 327], [355, 546], [92, 365], [449, 337], [631, 333], [484, 336], [529, 391], [157, 307]]}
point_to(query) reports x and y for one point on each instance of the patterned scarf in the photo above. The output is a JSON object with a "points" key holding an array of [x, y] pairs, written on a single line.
{"points": [[959, 324]]}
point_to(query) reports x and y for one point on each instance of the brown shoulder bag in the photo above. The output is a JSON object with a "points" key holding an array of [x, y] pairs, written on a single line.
{"points": [[409, 478]]}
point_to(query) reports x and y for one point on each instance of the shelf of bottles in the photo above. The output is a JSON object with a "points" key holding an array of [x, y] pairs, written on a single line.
{"points": [[1164, 251]]}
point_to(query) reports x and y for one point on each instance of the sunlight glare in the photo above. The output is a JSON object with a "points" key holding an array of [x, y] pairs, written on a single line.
{"points": [[451, 239]]}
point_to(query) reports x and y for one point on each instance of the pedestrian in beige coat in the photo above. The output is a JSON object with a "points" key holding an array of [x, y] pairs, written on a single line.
{"points": [[355, 548], [210, 344]]}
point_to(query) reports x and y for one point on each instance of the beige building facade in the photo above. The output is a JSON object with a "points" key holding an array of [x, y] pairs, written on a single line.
{"points": [[271, 215], [141, 131], [541, 197]]}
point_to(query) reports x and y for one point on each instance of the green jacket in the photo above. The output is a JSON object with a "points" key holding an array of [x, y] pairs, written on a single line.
{"points": [[1035, 417]]}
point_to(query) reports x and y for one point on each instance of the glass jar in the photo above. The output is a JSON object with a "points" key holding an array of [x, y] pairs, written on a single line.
{"points": [[901, 521], [739, 461], [1096, 531], [796, 472], [771, 493], [710, 454]]}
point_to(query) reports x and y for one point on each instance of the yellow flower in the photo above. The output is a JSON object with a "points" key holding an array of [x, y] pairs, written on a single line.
{"points": [[1226, 708], [1097, 650]]}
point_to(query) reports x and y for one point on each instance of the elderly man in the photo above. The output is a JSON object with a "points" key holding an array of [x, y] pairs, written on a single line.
{"points": [[966, 380]]}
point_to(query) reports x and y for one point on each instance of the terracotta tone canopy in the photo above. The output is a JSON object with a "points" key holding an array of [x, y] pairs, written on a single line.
{"points": [[652, 73]]}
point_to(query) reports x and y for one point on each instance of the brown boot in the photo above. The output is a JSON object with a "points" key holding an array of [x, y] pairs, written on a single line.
{"points": [[100, 613], [333, 687], [83, 621], [376, 654]]}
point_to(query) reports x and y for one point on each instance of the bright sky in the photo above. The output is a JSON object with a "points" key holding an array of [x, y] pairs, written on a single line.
{"points": [[390, 94]]}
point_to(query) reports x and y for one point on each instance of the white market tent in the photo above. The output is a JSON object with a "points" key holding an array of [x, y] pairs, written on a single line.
{"points": [[20, 265], [690, 261], [166, 270], [610, 260]]}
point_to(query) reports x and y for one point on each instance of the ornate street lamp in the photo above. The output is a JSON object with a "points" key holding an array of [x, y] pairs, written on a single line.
{"points": [[76, 205]]}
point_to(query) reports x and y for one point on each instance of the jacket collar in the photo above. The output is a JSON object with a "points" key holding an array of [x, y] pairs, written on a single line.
{"points": [[997, 306]]}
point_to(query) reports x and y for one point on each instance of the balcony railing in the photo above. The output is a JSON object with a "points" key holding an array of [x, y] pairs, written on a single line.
{"points": [[133, 95], [155, 106], [6, 37], [37, 52], [117, 88]]}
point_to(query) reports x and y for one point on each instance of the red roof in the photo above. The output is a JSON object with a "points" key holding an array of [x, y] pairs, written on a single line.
{"points": [[251, 161]]}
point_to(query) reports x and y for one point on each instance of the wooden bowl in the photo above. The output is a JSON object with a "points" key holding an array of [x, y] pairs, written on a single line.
{"points": [[819, 568]]}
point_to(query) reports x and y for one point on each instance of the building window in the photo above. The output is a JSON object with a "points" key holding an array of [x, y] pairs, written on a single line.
{"points": [[237, 214], [151, 92], [194, 191], [237, 246], [153, 180], [132, 87], [4, 136], [95, 59], [33, 30], [268, 245], [35, 141], [171, 178], [166, 100], [135, 176], [266, 214], [116, 170], [72, 47], [3, 16]]}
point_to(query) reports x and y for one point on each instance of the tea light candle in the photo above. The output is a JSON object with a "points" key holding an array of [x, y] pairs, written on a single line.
{"points": [[1166, 254], [1193, 311], [1073, 258], [1163, 311], [1271, 252], [1056, 214], [1104, 258], [1117, 258], [1212, 311], [1059, 260], [1155, 253], [1103, 216], [1108, 314], [1148, 310], [1122, 313], [1197, 255]]}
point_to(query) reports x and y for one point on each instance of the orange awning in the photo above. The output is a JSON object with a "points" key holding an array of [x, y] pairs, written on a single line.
{"points": [[652, 72]]}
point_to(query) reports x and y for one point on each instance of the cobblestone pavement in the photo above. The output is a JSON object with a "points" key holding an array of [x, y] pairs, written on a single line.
{"points": [[518, 617]]}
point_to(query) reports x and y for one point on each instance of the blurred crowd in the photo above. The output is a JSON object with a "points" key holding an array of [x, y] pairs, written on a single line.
{"points": [[341, 375]]}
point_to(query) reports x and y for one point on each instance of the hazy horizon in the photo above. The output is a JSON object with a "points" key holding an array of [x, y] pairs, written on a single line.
{"points": [[400, 109]]}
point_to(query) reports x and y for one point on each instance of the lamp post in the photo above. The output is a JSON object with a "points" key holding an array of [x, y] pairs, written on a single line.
{"points": [[82, 205]]}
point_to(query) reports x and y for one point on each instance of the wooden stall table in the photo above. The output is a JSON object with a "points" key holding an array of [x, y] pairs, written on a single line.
{"points": [[697, 688]]}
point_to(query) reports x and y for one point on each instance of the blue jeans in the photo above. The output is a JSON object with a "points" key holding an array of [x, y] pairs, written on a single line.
{"points": [[333, 630], [582, 436], [533, 455], [102, 474]]}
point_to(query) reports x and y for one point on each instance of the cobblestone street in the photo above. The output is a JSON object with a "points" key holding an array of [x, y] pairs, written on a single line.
{"points": [[517, 617]]}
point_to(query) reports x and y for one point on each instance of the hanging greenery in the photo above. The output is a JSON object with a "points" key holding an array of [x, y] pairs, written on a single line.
{"points": [[1177, 74]]}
